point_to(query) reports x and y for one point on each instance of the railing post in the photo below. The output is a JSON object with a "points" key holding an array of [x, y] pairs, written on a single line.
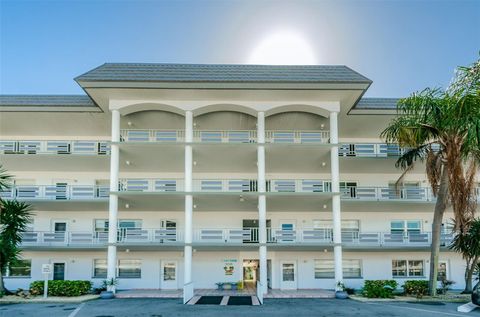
{"points": [[336, 214]]}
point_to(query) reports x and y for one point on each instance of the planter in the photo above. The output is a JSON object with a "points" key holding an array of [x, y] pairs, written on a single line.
{"points": [[107, 295], [341, 295]]}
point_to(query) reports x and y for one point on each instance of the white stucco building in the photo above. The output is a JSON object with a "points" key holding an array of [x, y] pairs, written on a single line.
{"points": [[177, 176]]}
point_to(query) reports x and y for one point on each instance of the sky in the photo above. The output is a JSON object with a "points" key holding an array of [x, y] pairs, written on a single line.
{"points": [[403, 45]]}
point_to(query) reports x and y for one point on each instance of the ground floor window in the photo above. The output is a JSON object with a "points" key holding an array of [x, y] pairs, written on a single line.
{"points": [[407, 268], [126, 268], [326, 268], [21, 268], [100, 268], [129, 268]]}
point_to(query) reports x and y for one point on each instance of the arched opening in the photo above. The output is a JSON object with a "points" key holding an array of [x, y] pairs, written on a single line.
{"points": [[225, 120]]}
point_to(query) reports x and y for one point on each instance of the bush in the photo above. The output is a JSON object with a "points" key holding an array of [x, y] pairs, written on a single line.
{"points": [[416, 287], [62, 288], [379, 288]]}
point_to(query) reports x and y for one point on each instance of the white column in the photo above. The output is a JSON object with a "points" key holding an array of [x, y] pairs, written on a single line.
{"points": [[113, 199], [262, 206], [188, 198], [336, 214]]}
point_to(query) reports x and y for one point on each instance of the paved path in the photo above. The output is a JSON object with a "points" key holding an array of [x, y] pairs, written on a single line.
{"points": [[273, 307]]}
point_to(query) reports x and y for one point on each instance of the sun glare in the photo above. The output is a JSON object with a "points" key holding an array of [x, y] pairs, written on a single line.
{"points": [[283, 48]]}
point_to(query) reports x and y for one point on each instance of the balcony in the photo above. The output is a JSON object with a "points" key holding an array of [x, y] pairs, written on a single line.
{"points": [[224, 186], [50, 155], [55, 147], [56, 192], [244, 237], [225, 136], [125, 236]]}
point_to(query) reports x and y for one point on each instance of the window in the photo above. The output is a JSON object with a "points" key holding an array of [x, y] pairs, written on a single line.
{"points": [[129, 268], [169, 271], [326, 268], [410, 268], [100, 268], [21, 268], [405, 226]]}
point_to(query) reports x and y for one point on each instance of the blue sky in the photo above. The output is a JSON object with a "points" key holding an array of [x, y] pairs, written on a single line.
{"points": [[402, 46]]}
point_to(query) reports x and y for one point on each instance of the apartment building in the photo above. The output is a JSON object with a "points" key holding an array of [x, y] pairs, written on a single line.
{"points": [[181, 176]]}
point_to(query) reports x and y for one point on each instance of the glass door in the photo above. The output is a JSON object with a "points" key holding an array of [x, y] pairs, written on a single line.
{"points": [[169, 275], [59, 271], [288, 275]]}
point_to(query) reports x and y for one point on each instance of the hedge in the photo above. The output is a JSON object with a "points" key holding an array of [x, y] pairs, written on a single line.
{"points": [[379, 288], [62, 288], [415, 287]]}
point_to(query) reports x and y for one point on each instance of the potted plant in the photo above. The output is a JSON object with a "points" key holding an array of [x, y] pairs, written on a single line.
{"points": [[340, 293], [109, 286]]}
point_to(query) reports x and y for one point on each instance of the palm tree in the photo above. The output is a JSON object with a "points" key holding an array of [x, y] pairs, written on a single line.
{"points": [[13, 221], [5, 179], [442, 129], [468, 244]]}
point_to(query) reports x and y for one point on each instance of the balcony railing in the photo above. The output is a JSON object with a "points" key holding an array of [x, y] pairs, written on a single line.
{"points": [[56, 192], [124, 236], [233, 236], [225, 185], [387, 193], [55, 147], [225, 136]]}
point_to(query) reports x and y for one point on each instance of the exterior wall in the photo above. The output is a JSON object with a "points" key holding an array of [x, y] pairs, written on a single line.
{"points": [[208, 267]]}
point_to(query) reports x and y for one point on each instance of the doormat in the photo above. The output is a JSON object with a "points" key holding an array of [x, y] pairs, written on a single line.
{"points": [[209, 300], [240, 300]]}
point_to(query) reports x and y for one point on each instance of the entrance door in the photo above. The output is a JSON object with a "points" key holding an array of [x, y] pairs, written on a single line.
{"points": [[169, 275], [59, 271], [288, 278]]}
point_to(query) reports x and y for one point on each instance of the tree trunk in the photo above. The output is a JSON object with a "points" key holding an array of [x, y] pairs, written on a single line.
{"points": [[3, 290], [440, 207], [469, 270]]}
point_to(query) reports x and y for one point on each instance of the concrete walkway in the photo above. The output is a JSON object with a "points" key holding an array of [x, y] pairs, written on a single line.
{"points": [[272, 293]]}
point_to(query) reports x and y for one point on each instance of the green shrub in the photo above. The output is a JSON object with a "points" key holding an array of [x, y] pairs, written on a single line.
{"points": [[379, 288], [62, 288], [416, 287]]}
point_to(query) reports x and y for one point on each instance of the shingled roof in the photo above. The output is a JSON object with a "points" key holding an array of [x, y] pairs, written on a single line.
{"points": [[223, 73], [46, 100], [52, 102], [377, 104]]}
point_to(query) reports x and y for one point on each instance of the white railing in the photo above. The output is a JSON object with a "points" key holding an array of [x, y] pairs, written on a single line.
{"points": [[151, 185], [225, 136], [55, 192], [387, 193], [285, 136], [151, 135], [85, 238], [233, 236], [223, 185], [55, 147]]}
